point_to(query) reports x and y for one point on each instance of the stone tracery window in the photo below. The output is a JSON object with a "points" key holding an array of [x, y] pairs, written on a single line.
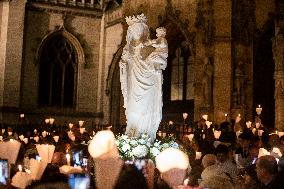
{"points": [[57, 73], [181, 77]]}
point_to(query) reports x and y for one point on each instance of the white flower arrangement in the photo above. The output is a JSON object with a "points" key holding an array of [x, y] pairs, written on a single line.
{"points": [[142, 147]]}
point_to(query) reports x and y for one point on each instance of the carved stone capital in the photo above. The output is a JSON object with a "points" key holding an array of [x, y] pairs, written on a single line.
{"points": [[278, 52]]}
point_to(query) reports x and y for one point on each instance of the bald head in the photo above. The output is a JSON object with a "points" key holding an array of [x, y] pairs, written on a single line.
{"points": [[209, 159]]}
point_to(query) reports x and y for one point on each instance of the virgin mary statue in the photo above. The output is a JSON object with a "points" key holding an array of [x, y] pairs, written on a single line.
{"points": [[141, 77]]}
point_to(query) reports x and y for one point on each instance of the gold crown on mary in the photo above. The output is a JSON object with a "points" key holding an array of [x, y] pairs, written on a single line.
{"points": [[136, 19]]}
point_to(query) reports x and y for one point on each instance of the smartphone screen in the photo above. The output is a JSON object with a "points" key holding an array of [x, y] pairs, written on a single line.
{"points": [[77, 157], [79, 181], [38, 158], [254, 160], [4, 171]]}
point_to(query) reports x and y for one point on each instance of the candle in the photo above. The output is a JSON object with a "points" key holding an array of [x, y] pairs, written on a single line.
{"points": [[253, 130], [238, 133], [26, 140], [238, 118], [190, 137], [51, 121], [280, 133], [226, 116], [56, 138], [248, 124], [184, 115], [46, 121], [20, 168], [258, 110], [205, 117], [208, 123], [21, 137], [70, 125], [81, 122], [198, 155], [217, 134], [68, 159]]}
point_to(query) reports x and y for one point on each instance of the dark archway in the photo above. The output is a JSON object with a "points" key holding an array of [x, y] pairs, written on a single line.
{"points": [[57, 73], [177, 76], [113, 89], [263, 71]]}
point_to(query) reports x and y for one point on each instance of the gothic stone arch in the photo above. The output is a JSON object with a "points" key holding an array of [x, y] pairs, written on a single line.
{"points": [[80, 56]]}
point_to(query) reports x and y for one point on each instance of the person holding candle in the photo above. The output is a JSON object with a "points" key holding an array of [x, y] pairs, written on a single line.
{"points": [[225, 163]]}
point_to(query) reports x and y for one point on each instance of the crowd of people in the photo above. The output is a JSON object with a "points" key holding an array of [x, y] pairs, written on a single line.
{"points": [[241, 157]]}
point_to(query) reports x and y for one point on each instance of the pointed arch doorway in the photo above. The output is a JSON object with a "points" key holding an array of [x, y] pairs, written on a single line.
{"points": [[263, 71]]}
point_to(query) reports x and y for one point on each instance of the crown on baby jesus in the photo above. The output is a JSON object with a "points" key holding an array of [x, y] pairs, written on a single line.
{"points": [[136, 19]]}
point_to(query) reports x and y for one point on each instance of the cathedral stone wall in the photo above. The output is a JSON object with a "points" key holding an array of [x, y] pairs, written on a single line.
{"points": [[4, 7], [86, 29], [205, 26], [153, 8], [33, 37], [222, 59], [263, 9], [12, 31], [113, 40]]}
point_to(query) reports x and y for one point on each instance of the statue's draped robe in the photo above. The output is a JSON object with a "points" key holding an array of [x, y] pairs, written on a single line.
{"points": [[141, 86]]}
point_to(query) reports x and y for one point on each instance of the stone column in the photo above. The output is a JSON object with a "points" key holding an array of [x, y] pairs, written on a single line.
{"points": [[222, 83], [12, 30], [101, 68], [4, 10], [278, 56]]}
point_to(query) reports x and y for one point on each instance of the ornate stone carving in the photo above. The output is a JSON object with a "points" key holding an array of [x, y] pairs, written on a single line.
{"points": [[239, 81], [174, 15], [206, 82], [243, 20], [205, 22], [279, 90], [73, 40], [278, 51], [72, 10]]}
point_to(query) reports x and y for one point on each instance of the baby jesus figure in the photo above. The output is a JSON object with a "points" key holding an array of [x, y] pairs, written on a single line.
{"points": [[160, 54]]}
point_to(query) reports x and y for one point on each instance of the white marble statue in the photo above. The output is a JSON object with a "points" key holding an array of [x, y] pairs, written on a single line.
{"points": [[141, 77]]}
